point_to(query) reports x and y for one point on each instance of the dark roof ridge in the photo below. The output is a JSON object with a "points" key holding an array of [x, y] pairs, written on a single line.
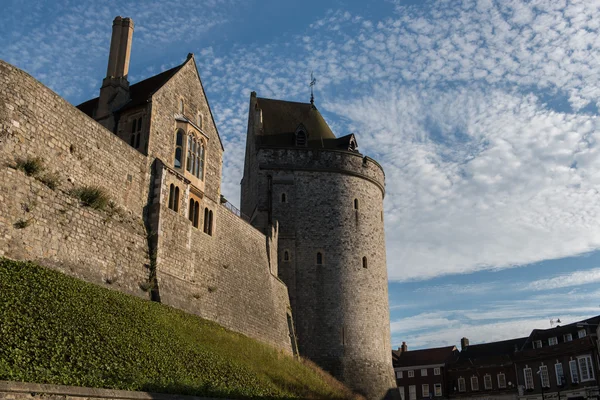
{"points": [[429, 348], [286, 101], [499, 341]]}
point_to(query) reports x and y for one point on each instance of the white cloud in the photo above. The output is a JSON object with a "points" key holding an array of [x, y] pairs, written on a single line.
{"points": [[576, 278]]}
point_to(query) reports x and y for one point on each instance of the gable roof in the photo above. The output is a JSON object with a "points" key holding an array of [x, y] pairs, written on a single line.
{"points": [[139, 92], [436, 355], [284, 117]]}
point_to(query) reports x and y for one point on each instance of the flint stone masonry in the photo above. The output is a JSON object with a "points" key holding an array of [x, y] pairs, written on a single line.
{"points": [[36, 391], [225, 277]]}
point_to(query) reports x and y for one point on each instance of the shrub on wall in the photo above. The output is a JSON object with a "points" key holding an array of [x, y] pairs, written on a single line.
{"points": [[30, 165], [92, 196]]}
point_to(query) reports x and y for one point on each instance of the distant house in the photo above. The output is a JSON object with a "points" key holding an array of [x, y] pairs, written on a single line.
{"points": [[485, 371], [560, 362], [420, 374]]}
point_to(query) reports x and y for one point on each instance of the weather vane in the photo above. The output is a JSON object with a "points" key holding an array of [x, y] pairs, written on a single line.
{"points": [[313, 82]]}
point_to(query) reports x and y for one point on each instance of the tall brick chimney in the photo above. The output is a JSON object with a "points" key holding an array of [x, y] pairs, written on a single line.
{"points": [[114, 92], [464, 343]]}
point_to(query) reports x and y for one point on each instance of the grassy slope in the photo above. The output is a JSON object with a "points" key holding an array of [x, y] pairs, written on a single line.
{"points": [[57, 329]]}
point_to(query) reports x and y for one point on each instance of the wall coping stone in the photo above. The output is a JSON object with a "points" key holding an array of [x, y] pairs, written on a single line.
{"points": [[39, 388]]}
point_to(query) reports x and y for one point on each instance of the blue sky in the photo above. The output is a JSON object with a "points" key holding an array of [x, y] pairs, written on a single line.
{"points": [[484, 115]]}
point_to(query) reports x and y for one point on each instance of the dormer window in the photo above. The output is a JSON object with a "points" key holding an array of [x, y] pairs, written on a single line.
{"points": [[300, 138], [352, 146]]}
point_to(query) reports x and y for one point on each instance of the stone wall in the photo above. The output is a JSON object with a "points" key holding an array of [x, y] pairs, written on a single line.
{"points": [[36, 122], [224, 277], [49, 226], [36, 391]]}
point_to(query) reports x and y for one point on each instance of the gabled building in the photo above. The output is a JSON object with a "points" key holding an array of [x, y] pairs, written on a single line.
{"points": [[421, 374], [561, 362], [485, 370]]}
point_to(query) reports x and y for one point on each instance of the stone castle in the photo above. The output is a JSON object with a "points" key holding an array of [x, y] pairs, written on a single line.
{"points": [[302, 267]]}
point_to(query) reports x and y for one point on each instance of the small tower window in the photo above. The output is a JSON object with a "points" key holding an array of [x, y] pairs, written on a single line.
{"points": [[283, 198], [199, 120], [356, 204], [174, 197], [208, 221], [319, 258], [364, 262], [193, 212], [196, 215], [176, 204], [286, 256], [181, 106]]}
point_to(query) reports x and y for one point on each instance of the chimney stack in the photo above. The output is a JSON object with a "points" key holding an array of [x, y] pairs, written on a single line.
{"points": [[114, 92], [404, 347], [464, 343]]}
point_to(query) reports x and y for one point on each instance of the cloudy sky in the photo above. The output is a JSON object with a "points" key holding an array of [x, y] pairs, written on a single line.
{"points": [[484, 115]]}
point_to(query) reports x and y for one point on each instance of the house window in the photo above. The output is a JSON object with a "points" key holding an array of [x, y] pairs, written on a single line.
{"points": [[412, 392], [320, 260], [528, 378], [544, 376], [356, 204], [560, 375], [425, 390], [574, 372], [437, 389], [171, 196], [364, 262], [474, 383], [283, 198], [436, 371], [581, 333], [552, 341], [194, 212], [423, 371], [398, 374], [411, 373], [568, 337], [286, 255], [461, 385], [487, 382], [585, 367], [136, 132], [178, 148], [208, 221], [501, 381], [401, 392], [537, 344]]}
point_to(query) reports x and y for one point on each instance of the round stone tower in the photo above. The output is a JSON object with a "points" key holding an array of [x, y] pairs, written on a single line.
{"points": [[328, 201]]}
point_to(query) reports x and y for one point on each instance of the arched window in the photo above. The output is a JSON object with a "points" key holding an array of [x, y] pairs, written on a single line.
{"points": [[191, 210], [365, 262], [210, 222], [356, 204], [176, 204], [196, 214], [199, 120], [188, 162], [178, 148], [201, 152], [206, 220], [300, 138], [286, 256], [283, 198], [319, 258], [171, 196]]}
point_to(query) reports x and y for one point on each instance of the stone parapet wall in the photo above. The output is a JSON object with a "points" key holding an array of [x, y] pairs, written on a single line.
{"points": [[36, 122], [37, 391], [322, 160]]}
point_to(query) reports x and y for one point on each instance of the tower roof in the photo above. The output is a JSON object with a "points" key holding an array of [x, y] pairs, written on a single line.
{"points": [[280, 116]]}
